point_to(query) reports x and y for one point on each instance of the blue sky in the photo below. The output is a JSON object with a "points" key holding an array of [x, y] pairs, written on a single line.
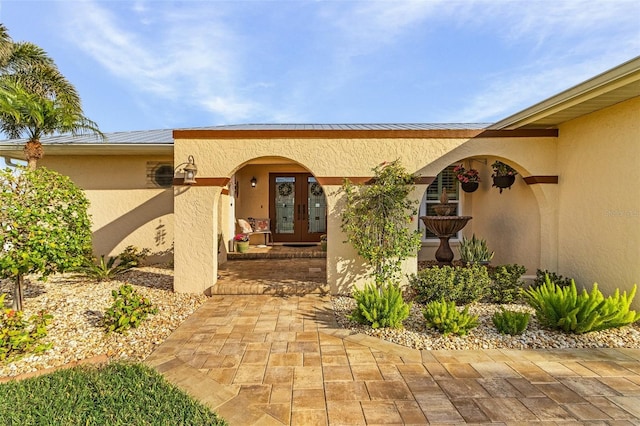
{"points": [[170, 64]]}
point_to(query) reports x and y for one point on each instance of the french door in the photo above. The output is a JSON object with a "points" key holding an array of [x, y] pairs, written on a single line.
{"points": [[298, 208]]}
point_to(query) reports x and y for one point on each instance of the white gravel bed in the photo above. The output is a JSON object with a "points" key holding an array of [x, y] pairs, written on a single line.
{"points": [[77, 306], [415, 333]]}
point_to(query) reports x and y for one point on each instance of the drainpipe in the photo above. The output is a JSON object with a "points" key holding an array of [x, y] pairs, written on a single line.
{"points": [[10, 162]]}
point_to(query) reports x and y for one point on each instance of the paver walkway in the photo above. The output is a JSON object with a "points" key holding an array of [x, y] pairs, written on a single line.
{"points": [[277, 359], [280, 360]]}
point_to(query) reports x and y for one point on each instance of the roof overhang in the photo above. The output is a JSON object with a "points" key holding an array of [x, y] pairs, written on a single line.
{"points": [[16, 150], [609, 88]]}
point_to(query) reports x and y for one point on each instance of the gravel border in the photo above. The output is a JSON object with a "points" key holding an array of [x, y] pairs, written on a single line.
{"points": [[77, 306], [415, 333]]}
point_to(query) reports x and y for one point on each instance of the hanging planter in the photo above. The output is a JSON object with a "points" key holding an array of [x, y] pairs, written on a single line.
{"points": [[503, 182], [503, 175], [469, 179], [469, 186]]}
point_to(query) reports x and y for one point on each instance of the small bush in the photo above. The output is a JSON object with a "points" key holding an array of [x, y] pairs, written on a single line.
{"points": [[104, 269], [19, 336], [553, 277], [564, 309], [445, 317], [380, 307], [511, 322], [129, 309], [458, 284], [507, 285]]}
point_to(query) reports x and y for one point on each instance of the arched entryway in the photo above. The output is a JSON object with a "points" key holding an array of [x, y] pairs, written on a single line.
{"points": [[285, 193], [284, 198]]}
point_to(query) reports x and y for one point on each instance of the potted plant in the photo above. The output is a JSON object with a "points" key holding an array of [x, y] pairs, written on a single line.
{"points": [[242, 243], [503, 175], [469, 179]]}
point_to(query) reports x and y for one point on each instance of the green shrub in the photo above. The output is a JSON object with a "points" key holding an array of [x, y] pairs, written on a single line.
{"points": [[129, 309], [380, 307], [474, 250], [511, 322], [507, 285], [18, 335], [445, 317], [459, 284], [564, 309], [553, 277], [104, 269]]}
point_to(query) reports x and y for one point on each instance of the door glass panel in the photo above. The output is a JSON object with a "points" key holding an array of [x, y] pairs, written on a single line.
{"points": [[317, 210], [285, 204]]}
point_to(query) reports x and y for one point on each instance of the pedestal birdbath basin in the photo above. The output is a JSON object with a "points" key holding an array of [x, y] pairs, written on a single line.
{"points": [[444, 227]]}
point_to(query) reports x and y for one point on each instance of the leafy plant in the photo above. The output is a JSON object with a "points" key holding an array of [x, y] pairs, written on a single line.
{"points": [[375, 220], [511, 322], [553, 277], [507, 283], [458, 284], [44, 225], [444, 316], [104, 269], [565, 309], [129, 309], [502, 169], [18, 335], [380, 306], [241, 238], [474, 250], [464, 175]]}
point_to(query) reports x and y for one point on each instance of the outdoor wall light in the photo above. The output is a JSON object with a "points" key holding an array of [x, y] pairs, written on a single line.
{"points": [[190, 170], [254, 181]]}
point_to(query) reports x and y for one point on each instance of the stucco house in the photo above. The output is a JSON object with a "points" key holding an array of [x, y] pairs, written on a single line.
{"points": [[574, 208]]}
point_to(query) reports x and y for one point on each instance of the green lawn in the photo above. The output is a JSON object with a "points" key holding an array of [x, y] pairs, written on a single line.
{"points": [[114, 394]]}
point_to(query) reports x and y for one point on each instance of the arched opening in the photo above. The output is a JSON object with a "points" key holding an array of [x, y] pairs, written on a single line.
{"points": [[282, 209], [282, 195], [510, 221]]}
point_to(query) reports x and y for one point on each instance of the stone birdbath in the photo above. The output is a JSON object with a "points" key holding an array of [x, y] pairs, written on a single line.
{"points": [[444, 225]]}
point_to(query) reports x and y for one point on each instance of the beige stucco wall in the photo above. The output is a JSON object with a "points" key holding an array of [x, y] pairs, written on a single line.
{"points": [[599, 200], [513, 219], [124, 210]]}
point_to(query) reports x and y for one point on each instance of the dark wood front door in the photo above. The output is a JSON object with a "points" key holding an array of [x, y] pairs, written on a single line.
{"points": [[298, 207]]}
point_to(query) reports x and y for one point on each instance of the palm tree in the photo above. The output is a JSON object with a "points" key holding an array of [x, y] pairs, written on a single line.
{"points": [[31, 115], [37, 100]]}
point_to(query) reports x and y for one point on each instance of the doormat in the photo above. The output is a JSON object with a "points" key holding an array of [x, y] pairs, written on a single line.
{"points": [[299, 245]]}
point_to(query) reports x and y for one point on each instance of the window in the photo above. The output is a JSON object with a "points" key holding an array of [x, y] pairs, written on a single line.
{"points": [[445, 179], [159, 175]]}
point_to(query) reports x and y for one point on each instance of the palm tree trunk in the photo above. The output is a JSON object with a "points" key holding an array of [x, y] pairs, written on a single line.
{"points": [[33, 151]]}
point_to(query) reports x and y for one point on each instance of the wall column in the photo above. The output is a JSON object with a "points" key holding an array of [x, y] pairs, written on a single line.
{"points": [[196, 241]]}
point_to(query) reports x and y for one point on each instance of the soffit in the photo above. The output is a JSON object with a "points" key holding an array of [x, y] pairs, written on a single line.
{"points": [[614, 86]]}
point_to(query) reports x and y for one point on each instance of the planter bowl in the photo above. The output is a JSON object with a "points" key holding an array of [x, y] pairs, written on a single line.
{"points": [[469, 186], [503, 181], [242, 246]]}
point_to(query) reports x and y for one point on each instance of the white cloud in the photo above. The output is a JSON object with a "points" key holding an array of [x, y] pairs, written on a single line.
{"points": [[186, 56]]}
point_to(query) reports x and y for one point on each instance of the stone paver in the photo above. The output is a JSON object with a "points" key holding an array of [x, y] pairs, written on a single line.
{"points": [[274, 360]]}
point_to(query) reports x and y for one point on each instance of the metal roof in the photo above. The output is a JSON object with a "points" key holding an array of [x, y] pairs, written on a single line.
{"points": [[165, 136], [362, 126]]}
